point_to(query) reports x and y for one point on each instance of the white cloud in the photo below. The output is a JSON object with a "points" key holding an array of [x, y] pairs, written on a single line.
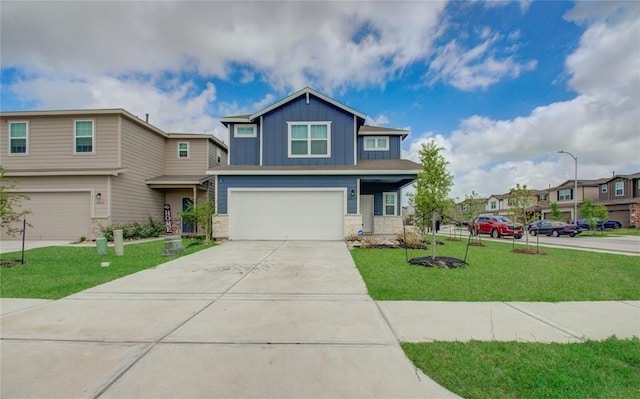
{"points": [[380, 120], [474, 68], [601, 125]]}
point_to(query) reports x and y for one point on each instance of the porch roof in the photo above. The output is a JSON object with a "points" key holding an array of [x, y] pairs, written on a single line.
{"points": [[364, 167], [177, 181]]}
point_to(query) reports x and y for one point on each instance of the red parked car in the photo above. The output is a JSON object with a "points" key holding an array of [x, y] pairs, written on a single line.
{"points": [[496, 226]]}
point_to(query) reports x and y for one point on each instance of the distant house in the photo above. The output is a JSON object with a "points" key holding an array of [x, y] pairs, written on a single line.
{"points": [[86, 169], [308, 168], [621, 195]]}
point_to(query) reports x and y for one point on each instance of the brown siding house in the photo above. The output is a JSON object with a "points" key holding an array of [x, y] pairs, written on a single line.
{"points": [[86, 169]]}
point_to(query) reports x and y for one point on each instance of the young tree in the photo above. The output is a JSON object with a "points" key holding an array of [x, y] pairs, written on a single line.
{"points": [[555, 212], [601, 212], [200, 214], [474, 207], [10, 204], [432, 186], [520, 198], [586, 211]]}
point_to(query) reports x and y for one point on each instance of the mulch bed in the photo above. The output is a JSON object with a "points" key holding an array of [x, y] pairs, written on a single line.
{"points": [[443, 262], [530, 251]]}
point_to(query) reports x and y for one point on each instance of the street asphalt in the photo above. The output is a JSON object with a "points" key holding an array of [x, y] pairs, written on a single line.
{"points": [[261, 319]]}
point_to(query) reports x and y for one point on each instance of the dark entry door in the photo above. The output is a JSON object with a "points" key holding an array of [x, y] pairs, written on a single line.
{"points": [[187, 227]]}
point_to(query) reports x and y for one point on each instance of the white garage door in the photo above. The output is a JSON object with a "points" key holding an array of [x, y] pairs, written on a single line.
{"points": [[57, 216], [286, 215]]}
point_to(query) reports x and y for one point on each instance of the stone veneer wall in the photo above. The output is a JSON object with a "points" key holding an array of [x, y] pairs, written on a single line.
{"points": [[635, 215], [220, 226], [387, 224], [352, 224]]}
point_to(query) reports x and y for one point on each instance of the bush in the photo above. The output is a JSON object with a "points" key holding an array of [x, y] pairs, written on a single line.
{"points": [[135, 231], [413, 239]]}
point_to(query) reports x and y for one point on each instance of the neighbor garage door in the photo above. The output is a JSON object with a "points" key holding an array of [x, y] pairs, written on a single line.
{"points": [[58, 216], [286, 215]]}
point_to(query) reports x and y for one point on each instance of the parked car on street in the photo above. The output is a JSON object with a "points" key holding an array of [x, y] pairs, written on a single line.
{"points": [[496, 226], [553, 228], [600, 225]]}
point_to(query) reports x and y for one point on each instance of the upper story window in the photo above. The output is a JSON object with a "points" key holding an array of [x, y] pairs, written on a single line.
{"points": [[18, 137], [309, 139], [84, 137], [565, 194], [390, 203], [494, 204], [244, 131], [638, 183], [183, 149], [619, 187], [542, 197], [603, 189], [376, 143], [218, 155]]}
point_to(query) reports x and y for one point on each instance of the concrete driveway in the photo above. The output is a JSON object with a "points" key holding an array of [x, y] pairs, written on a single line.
{"points": [[241, 320]]}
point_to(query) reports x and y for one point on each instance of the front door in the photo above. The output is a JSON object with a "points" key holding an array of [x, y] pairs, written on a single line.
{"points": [[366, 209], [186, 226]]}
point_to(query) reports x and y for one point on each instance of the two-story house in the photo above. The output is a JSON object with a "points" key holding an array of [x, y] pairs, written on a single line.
{"points": [[307, 167], [564, 195], [86, 169], [621, 195]]}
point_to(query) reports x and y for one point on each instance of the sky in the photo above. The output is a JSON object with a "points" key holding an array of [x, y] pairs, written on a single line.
{"points": [[501, 86]]}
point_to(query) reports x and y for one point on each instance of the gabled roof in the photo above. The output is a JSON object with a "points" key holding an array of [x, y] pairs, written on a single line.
{"points": [[581, 183], [629, 177], [367, 130], [306, 91]]}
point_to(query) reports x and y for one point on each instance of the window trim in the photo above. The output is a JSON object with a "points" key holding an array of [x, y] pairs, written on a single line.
{"points": [[603, 188], [26, 138], [309, 124], [187, 149], [375, 147], [493, 204], [245, 136], [75, 137], [218, 155], [395, 203], [563, 197], [615, 189]]}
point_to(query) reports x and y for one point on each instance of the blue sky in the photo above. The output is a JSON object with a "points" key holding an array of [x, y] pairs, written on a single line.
{"points": [[501, 86]]}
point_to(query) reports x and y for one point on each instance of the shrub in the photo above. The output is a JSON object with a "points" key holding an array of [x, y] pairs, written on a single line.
{"points": [[412, 239], [135, 231]]}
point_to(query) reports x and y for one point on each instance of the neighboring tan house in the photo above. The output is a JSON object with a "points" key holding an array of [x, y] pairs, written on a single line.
{"points": [[563, 195], [87, 169], [308, 168], [621, 195]]}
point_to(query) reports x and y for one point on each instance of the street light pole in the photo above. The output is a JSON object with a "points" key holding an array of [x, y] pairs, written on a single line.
{"points": [[575, 186]]}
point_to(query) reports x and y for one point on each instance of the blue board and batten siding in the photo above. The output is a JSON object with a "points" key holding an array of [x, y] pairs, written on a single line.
{"points": [[276, 182], [244, 150], [275, 150], [392, 153]]}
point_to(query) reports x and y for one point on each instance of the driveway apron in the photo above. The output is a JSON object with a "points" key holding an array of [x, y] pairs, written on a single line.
{"points": [[260, 319]]}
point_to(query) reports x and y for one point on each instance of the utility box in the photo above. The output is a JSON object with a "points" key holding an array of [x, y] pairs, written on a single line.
{"points": [[172, 245], [101, 246]]}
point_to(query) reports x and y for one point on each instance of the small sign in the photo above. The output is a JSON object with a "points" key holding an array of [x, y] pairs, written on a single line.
{"points": [[360, 233], [168, 228]]}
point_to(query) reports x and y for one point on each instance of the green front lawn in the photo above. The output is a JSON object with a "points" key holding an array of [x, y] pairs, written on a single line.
{"points": [[478, 370], [497, 274], [610, 233], [55, 272]]}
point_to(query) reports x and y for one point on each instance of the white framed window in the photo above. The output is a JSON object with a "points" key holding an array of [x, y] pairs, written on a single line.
{"points": [[18, 138], [244, 131], [603, 189], [390, 203], [542, 197], [494, 204], [218, 155], [619, 188], [84, 137], [638, 183], [376, 143], [564, 194], [183, 149], [309, 139]]}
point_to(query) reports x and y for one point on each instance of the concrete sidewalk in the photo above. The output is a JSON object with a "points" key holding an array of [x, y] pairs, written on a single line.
{"points": [[241, 320]]}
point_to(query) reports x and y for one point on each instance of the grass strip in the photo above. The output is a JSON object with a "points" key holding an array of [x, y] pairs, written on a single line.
{"points": [[55, 272], [495, 273], [479, 370]]}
